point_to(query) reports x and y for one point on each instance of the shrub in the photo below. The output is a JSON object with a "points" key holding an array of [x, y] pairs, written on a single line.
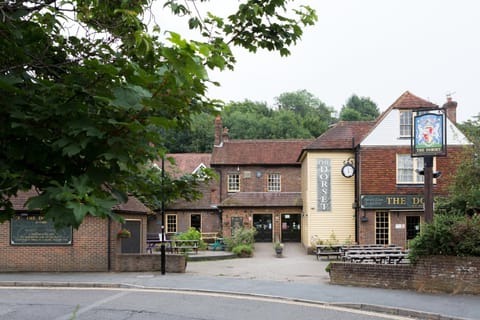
{"points": [[448, 235], [241, 236], [192, 234], [243, 250]]}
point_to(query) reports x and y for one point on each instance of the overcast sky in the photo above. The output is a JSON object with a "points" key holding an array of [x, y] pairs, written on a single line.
{"points": [[373, 48]]}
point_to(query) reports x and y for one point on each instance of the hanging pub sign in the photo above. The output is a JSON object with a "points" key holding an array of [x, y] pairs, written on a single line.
{"points": [[429, 135]]}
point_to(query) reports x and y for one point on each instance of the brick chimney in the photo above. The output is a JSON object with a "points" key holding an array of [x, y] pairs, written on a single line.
{"points": [[451, 107], [225, 137], [218, 132]]}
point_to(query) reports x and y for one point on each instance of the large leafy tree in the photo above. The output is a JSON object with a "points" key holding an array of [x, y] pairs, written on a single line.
{"points": [[89, 94], [359, 109]]}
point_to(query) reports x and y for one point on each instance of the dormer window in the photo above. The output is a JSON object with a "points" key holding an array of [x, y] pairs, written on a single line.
{"points": [[199, 171], [405, 123]]}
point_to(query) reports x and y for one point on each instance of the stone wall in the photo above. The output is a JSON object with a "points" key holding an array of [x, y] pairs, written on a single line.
{"points": [[456, 275], [174, 263]]}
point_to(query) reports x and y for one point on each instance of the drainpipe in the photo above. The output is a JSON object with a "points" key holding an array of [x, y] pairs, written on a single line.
{"points": [[356, 191], [109, 244]]}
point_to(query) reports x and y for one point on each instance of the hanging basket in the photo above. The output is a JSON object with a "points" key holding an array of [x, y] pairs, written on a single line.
{"points": [[124, 233]]}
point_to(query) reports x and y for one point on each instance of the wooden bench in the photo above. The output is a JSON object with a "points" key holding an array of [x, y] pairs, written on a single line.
{"points": [[378, 254], [209, 236], [328, 250]]}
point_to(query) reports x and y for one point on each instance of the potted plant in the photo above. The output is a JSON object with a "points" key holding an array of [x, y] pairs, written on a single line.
{"points": [[124, 233], [278, 246]]}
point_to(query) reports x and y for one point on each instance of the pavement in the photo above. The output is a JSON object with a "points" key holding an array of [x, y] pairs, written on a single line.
{"points": [[294, 276]]}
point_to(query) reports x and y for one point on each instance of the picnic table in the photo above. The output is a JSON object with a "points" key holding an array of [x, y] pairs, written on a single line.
{"points": [[174, 246], [390, 255], [328, 250]]}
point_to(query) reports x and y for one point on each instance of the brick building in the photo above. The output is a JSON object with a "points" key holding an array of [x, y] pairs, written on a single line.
{"points": [[382, 202], [28, 243]]}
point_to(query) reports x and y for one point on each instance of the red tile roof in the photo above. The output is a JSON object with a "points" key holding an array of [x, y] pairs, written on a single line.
{"points": [[132, 205], [253, 152], [343, 135], [185, 163], [410, 101], [263, 199]]}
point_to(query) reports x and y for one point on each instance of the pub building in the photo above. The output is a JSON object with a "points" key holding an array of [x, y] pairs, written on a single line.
{"points": [[360, 183]]}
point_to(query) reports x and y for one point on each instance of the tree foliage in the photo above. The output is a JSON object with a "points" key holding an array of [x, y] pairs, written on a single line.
{"points": [[89, 95], [359, 109]]}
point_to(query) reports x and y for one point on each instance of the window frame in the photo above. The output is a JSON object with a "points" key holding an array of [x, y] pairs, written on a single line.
{"points": [[168, 224], [383, 231], [405, 122], [417, 163], [274, 182], [233, 186]]}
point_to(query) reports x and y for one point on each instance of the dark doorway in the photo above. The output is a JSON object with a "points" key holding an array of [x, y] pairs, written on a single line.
{"points": [[291, 228], [132, 244], [263, 224], [196, 222], [413, 226]]}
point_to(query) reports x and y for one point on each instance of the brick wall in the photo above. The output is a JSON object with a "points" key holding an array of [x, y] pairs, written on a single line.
{"points": [[457, 275], [249, 182], [379, 165], [88, 252], [174, 263]]}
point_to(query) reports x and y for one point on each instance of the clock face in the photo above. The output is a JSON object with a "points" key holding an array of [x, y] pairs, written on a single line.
{"points": [[348, 170]]}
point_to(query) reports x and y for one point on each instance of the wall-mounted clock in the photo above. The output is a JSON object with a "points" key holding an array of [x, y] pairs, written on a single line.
{"points": [[348, 170]]}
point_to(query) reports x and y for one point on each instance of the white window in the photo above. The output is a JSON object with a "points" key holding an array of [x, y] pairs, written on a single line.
{"points": [[405, 123], [233, 182], [406, 169], [382, 227], [274, 182], [171, 223]]}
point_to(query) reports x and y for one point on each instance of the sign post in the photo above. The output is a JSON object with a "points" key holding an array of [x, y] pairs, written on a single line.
{"points": [[429, 139]]}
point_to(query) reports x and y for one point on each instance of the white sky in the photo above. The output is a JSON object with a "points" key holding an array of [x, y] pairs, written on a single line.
{"points": [[373, 48]]}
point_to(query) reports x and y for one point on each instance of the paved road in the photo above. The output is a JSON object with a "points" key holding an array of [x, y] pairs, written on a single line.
{"points": [[296, 276]]}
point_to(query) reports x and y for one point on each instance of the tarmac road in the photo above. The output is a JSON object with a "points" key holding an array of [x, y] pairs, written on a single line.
{"points": [[296, 276]]}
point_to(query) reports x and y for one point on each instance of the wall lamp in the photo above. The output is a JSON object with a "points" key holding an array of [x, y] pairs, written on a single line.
{"points": [[435, 174]]}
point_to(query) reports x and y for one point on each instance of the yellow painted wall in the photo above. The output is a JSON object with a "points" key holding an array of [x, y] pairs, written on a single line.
{"points": [[341, 219]]}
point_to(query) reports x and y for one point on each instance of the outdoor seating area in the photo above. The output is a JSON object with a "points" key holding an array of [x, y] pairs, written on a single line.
{"points": [[173, 246], [389, 254]]}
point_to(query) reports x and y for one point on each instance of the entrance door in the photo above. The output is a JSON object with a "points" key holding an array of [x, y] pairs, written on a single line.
{"points": [[291, 228], [132, 244], [413, 227], [263, 224]]}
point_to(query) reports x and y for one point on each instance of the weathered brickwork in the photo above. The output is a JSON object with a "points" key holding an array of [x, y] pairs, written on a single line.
{"points": [[174, 263], [455, 275], [89, 250], [249, 182]]}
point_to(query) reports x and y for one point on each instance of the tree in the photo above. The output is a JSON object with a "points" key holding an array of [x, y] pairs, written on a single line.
{"points": [[316, 116], [84, 115], [464, 193], [359, 109]]}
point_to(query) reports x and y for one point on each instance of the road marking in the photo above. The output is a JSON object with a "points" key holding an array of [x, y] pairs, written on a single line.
{"points": [[91, 306], [229, 295]]}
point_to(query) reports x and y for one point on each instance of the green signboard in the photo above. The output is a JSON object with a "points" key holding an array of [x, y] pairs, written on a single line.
{"points": [[398, 202], [33, 229]]}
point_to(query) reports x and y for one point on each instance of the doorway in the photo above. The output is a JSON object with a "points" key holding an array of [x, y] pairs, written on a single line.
{"points": [[196, 222], [132, 244], [413, 227], [263, 224], [291, 228]]}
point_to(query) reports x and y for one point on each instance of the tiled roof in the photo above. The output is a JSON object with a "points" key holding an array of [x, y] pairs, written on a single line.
{"points": [[185, 163], [263, 199], [410, 101], [265, 152], [343, 135], [132, 205], [203, 203]]}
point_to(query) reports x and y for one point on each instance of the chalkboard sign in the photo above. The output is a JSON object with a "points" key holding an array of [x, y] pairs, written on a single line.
{"points": [[33, 229]]}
